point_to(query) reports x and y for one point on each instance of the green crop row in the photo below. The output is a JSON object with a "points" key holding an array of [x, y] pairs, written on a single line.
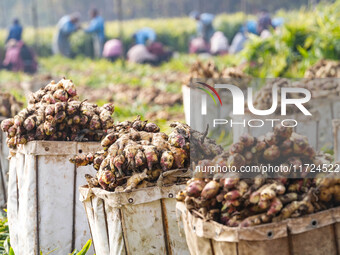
{"points": [[306, 37], [173, 32]]}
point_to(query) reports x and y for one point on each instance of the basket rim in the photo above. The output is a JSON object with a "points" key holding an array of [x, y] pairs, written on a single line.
{"points": [[219, 232], [135, 197]]}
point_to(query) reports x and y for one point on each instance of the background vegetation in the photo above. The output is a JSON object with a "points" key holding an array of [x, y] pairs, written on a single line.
{"points": [[48, 12]]}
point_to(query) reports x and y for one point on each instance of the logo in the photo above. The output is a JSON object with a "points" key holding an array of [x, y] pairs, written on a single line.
{"points": [[296, 97], [204, 98], [209, 93], [239, 99]]}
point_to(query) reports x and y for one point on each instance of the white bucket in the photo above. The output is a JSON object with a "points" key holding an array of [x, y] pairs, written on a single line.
{"points": [[44, 213], [4, 165], [139, 222]]}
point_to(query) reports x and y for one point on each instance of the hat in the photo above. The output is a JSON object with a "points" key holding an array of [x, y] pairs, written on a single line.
{"points": [[75, 15], [194, 14]]}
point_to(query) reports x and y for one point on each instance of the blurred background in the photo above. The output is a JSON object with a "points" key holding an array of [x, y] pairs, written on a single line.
{"points": [[48, 12], [138, 54]]}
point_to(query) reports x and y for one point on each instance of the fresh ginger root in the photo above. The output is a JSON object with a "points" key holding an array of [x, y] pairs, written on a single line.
{"points": [[304, 206], [255, 220], [135, 179]]}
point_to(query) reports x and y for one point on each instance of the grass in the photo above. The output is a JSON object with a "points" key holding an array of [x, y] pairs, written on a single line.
{"points": [[100, 74], [97, 74], [4, 234]]}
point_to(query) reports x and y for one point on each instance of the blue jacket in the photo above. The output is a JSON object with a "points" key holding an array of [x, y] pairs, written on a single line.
{"points": [[97, 27], [15, 32], [61, 44], [145, 34], [66, 27], [250, 26], [207, 18], [205, 27]]}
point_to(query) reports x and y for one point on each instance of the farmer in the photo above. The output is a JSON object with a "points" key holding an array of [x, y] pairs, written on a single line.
{"points": [[113, 49], [264, 21], [19, 57], [66, 26], [219, 44], [278, 22], [205, 27], [158, 49], [139, 53], [15, 31], [145, 35], [241, 37], [198, 46], [96, 28]]}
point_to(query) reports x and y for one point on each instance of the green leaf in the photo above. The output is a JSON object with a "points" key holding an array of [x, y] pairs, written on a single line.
{"points": [[7, 245], [74, 252], [308, 42], [85, 248], [49, 252], [302, 51], [11, 252]]}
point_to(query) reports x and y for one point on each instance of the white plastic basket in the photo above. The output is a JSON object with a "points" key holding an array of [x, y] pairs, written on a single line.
{"points": [[44, 212], [139, 222], [4, 165], [336, 137], [312, 234]]}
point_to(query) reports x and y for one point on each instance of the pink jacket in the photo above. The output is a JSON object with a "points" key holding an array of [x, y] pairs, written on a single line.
{"points": [[14, 60], [198, 44], [139, 53], [112, 48]]}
